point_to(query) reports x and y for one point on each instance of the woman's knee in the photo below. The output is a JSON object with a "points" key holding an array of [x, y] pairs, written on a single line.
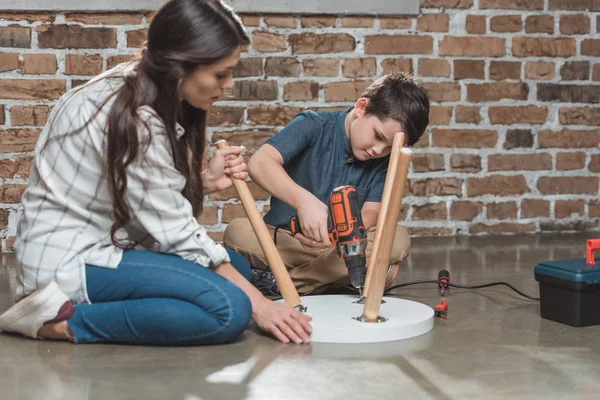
{"points": [[238, 316]]}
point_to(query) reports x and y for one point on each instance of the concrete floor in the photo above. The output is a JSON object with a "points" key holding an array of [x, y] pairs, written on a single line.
{"points": [[493, 345]]}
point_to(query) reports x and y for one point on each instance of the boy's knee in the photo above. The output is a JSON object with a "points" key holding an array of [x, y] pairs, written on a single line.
{"points": [[235, 232], [401, 246]]}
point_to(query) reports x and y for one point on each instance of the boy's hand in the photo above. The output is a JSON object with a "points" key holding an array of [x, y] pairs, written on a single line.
{"points": [[313, 221], [283, 321], [310, 244]]}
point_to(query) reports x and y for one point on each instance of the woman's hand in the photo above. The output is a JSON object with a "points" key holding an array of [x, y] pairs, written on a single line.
{"points": [[224, 164], [283, 321]]}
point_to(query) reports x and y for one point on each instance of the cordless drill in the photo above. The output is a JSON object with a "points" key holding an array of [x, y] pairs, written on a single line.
{"points": [[346, 231]]}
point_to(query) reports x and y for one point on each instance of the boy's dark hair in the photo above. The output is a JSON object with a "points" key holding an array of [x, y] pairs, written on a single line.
{"points": [[400, 97]]}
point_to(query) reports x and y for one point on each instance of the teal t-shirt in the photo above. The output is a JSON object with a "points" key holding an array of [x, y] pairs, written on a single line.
{"points": [[316, 155]]}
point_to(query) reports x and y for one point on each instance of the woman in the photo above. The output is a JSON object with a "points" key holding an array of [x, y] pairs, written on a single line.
{"points": [[109, 212]]}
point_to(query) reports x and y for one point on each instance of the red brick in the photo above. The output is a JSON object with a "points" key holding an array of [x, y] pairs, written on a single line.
{"points": [[498, 185], [568, 185], [568, 93], [475, 24], [3, 219], [446, 3], [594, 208], [252, 139], [433, 23], [11, 193], [506, 23], [75, 37], [225, 116], [519, 162], [113, 61], [250, 20], [569, 208], [539, 24], [443, 91], [469, 163], [511, 4], [430, 212], [268, 42], [248, 67], [503, 227], [31, 89], [579, 116], [569, 139], [357, 22], [317, 21], [359, 67], [532, 208], [83, 64], [390, 65], [574, 24], [465, 210], [595, 72], [398, 44], [39, 64], [500, 70], [29, 115], [570, 161], [435, 187], [506, 115], [29, 17], [312, 43], [469, 69], [255, 90], [581, 225], [440, 115], [543, 47], [518, 138], [395, 23], [345, 91], [209, 215], [232, 211], [19, 168], [574, 5], [105, 18], [468, 115], [280, 21], [464, 138], [321, 67], [282, 66], [472, 46], [136, 38], [434, 67], [505, 210], [18, 140], [423, 162], [301, 90], [575, 71], [272, 115], [217, 236], [539, 70], [497, 91], [2, 115], [594, 164], [15, 36], [590, 47], [9, 61]]}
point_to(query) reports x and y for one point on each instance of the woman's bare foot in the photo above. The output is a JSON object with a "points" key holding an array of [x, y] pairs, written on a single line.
{"points": [[56, 331]]}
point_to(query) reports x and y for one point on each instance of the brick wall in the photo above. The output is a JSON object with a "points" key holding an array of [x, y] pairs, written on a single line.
{"points": [[513, 144]]}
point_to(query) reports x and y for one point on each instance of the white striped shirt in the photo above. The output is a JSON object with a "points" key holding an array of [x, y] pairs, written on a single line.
{"points": [[68, 207]]}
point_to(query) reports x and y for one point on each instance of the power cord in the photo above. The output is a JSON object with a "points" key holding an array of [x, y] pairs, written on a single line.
{"points": [[419, 282]]}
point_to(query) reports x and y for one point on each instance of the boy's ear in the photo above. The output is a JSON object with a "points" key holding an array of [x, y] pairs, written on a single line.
{"points": [[361, 106]]}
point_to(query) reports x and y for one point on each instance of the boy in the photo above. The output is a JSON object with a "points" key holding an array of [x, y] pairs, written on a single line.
{"points": [[314, 154]]}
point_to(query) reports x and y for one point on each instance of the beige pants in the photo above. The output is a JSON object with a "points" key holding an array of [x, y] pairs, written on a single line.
{"points": [[308, 268]]}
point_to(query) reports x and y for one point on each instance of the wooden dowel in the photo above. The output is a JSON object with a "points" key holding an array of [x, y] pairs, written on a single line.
{"points": [[282, 277]]}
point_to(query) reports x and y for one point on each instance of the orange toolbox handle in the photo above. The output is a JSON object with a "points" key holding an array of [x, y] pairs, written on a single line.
{"points": [[592, 244]]}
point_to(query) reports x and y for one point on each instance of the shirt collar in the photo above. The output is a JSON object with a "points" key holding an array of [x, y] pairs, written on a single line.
{"points": [[342, 130]]}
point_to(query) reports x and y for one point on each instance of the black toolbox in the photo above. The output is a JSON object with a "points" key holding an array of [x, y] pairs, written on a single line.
{"points": [[570, 289]]}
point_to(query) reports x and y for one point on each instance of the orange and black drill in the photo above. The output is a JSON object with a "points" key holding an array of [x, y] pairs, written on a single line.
{"points": [[347, 232]]}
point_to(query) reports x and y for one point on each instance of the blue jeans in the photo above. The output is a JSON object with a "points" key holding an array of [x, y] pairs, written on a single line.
{"points": [[160, 299]]}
